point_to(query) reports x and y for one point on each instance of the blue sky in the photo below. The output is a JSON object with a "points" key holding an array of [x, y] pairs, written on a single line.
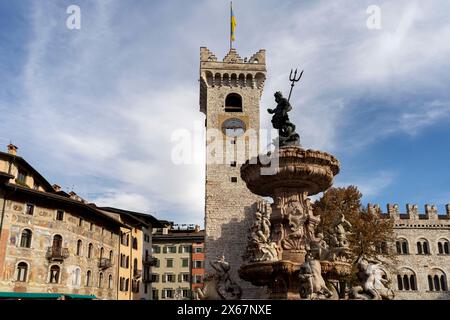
{"points": [[93, 109]]}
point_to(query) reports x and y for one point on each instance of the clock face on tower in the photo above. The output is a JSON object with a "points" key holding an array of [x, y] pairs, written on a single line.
{"points": [[233, 127]]}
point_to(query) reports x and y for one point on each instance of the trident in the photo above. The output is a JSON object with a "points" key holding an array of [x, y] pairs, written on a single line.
{"points": [[294, 79]]}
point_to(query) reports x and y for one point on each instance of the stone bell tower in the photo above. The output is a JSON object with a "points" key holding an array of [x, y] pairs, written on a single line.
{"points": [[230, 93]]}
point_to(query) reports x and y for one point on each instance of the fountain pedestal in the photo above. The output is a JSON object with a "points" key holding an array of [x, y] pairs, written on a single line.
{"points": [[300, 173]]}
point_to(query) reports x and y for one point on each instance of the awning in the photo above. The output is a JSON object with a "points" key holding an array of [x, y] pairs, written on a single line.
{"points": [[39, 295]]}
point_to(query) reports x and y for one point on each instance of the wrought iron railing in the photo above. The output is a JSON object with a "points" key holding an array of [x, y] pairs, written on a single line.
{"points": [[57, 253], [104, 263]]}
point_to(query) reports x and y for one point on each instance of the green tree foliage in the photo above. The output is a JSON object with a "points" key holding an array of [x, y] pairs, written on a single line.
{"points": [[372, 234]]}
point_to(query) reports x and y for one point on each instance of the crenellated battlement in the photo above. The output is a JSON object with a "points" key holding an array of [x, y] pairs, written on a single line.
{"points": [[232, 74], [412, 212], [233, 71]]}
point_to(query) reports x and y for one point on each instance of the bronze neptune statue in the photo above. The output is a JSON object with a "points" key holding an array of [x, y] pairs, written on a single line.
{"points": [[280, 121]]}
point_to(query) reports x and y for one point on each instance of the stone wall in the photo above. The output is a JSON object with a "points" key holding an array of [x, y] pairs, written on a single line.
{"points": [[414, 227]]}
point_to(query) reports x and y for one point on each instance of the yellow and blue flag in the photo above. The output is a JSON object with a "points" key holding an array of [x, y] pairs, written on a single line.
{"points": [[233, 23]]}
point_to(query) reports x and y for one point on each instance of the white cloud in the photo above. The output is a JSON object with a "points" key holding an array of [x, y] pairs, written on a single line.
{"points": [[99, 104], [424, 116]]}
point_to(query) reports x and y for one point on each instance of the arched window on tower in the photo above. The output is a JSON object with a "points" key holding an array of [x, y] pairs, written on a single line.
{"points": [[233, 103]]}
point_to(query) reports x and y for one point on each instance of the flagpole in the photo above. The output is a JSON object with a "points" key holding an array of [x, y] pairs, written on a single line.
{"points": [[231, 24]]}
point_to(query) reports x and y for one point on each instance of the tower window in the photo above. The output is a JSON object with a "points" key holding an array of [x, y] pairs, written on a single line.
{"points": [[233, 103], [233, 179]]}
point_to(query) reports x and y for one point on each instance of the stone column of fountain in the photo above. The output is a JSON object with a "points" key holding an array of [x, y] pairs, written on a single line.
{"points": [[278, 246]]}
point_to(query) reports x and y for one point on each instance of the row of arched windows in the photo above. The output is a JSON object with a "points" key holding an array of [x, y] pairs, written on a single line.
{"points": [[90, 251], [54, 276], [406, 280], [423, 246], [26, 238]]}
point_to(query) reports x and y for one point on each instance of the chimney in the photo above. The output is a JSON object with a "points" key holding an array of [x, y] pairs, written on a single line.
{"points": [[56, 188], [12, 149]]}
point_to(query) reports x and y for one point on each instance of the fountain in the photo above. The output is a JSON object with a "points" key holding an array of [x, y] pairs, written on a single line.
{"points": [[284, 252]]}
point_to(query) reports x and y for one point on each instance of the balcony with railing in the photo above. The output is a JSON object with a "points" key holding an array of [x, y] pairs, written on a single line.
{"points": [[149, 261], [137, 273], [104, 263], [57, 253]]}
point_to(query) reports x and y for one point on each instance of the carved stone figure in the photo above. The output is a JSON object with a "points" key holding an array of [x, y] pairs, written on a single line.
{"points": [[280, 121], [219, 285], [374, 285], [341, 228], [260, 248], [312, 284]]}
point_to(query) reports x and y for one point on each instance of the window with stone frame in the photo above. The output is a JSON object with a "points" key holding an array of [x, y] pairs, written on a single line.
{"points": [[185, 262], [443, 246], [406, 280], [110, 282], [198, 264], [402, 246], [76, 277], [90, 250], [423, 247], [88, 278], [172, 249], [382, 247], [29, 209], [59, 215], [100, 280], [186, 293], [55, 273], [25, 239], [170, 277], [198, 278], [156, 249], [22, 272], [169, 263], [185, 249], [437, 280], [79, 248], [155, 294], [154, 277], [185, 277], [168, 293], [21, 177]]}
